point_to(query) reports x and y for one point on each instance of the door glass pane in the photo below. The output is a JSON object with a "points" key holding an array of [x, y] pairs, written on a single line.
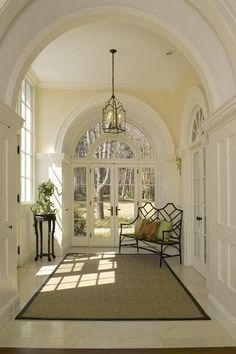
{"points": [[148, 184], [196, 205], [102, 205], [196, 165], [125, 210], [80, 202]]}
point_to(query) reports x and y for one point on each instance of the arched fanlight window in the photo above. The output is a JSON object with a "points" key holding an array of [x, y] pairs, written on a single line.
{"points": [[113, 149], [197, 130], [134, 134]]}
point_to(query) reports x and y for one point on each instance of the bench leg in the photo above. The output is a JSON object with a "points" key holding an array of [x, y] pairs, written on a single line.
{"points": [[137, 245], [120, 245], [180, 253], [161, 255]]}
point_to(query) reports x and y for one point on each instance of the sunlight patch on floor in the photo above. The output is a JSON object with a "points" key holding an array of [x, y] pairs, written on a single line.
{"points": [[46, 270]]}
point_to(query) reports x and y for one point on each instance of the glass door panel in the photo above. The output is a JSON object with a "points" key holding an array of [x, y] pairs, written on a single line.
{"points": [[80, 202], [103, 211], [148, 185], [125, 209], [199, 232], [196, 205], [105, 196]]}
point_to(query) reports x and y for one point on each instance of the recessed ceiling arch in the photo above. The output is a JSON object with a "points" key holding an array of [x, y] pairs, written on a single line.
{"points": [[158, 17]]}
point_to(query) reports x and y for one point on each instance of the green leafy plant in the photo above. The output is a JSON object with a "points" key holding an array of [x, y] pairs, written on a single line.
{"points": [[80, 226], [43, 204]]}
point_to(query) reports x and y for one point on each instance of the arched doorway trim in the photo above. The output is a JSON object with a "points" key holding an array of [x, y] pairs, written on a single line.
{"points": [[138, 113], [194, 101]]}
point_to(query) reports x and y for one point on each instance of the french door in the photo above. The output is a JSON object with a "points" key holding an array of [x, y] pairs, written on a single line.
{"points": [[106, 195], [199, 231]]}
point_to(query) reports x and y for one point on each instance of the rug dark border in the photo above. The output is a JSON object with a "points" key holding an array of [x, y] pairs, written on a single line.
{"points": [[20, 315]]}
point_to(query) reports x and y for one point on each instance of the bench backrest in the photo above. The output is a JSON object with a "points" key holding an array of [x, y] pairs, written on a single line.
{"points": [[168, 213]]}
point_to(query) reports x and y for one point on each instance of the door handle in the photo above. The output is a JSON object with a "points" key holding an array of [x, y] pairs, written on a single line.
{"points": [[198, 218], [111, 210], [117, 209]]}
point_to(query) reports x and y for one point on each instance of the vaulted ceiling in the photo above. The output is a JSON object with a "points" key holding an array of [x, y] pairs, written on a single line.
{"points": [[81, 58]]}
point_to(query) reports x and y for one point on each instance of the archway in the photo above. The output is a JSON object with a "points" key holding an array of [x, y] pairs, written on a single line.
{"points": [[159, 166], [217, 86], [194, 156]]}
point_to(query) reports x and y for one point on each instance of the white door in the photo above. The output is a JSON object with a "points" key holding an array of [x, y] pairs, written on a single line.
{"points": [[199, 222], [8, 197]]}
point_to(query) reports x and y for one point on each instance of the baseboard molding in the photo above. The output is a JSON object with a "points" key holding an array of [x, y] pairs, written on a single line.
{"points": [[25, 257], [61, 251], [222, 315], [9, 310], [65, 249]]}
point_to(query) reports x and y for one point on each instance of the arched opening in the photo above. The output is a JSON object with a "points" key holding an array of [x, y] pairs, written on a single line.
{"points": [[112, 176], [194, 147], [159, 22]]}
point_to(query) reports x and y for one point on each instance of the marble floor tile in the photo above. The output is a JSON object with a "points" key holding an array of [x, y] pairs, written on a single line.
{"points": [[111, 334]]}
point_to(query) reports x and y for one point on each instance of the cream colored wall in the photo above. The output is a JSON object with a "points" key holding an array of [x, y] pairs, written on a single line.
{"points": [[53, 105]]}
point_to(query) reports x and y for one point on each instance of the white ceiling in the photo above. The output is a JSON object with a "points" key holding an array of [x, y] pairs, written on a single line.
{"points": [[81, 58]]}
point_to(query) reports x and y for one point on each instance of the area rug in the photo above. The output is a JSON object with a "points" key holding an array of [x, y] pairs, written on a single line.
{"points": [[211, 350], [110, 286]]}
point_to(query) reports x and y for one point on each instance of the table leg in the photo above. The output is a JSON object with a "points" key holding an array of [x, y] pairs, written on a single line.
{"points": [[53, 231], [41, 238], [36, 238], [49, 235]]}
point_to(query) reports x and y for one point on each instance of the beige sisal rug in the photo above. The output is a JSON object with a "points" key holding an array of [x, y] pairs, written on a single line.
{"points": [[112, 287]]}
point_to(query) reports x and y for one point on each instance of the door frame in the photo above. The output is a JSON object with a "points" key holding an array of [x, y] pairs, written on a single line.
{"points": [[137, 165], [198, 262]]}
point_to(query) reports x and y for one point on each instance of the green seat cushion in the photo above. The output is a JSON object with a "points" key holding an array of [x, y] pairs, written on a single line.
{"points": [[164, 226]]}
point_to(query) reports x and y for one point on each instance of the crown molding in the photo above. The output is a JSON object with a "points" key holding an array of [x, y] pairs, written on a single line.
{"points": [[221, 116], [65, 85], [10, 118], [53, 157], [32, 78]]}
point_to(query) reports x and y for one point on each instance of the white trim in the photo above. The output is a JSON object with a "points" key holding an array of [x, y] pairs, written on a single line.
{"points": [[67, 85], [32, 78], [194, 99], [156, 20], [138, 113], [222, 315], [221, 116], [10, 118], [55, 157]]}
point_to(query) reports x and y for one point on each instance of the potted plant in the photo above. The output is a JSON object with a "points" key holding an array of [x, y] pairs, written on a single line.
{"points": [[44, 205]]}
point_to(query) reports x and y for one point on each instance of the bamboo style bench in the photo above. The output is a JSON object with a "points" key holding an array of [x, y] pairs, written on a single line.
{"points": [[154, 229]]}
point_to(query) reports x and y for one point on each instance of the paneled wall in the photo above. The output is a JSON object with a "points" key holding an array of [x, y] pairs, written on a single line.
{"points": [[9, 123], [222, 217]]}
